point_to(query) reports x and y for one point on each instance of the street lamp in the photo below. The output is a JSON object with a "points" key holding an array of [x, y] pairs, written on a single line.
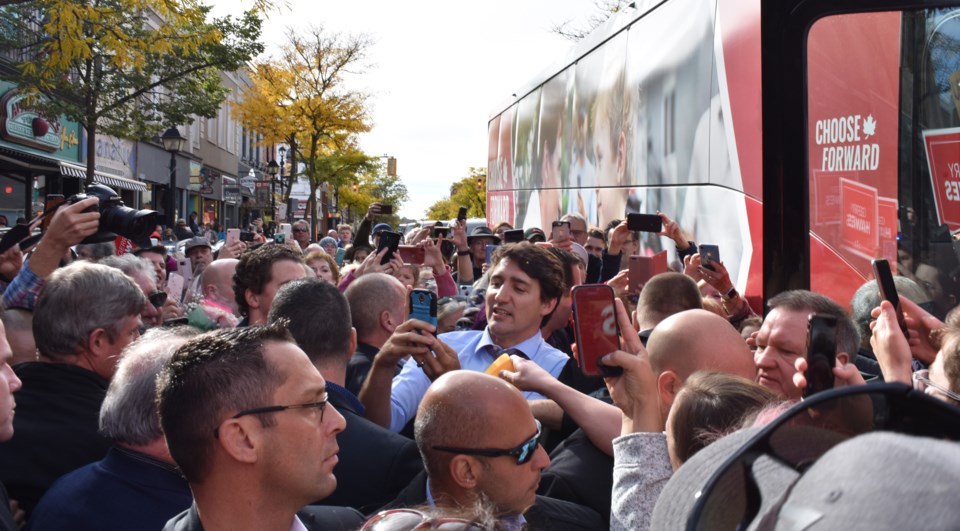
{"points": [[272, 168], [172, 142], [283, 162]]}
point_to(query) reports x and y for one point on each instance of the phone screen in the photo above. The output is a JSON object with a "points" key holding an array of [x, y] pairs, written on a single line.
{"points": [[888, 291], [489, 250], [821, 353], [595, 328], [644, 222], [423, 306], [386, 209]]}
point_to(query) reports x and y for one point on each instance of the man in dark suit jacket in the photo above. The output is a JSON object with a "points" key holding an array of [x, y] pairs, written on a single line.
{"points": [[375, 463], [479, 441]]}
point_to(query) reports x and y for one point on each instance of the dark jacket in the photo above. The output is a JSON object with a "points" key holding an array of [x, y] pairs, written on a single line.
{"points": [[546, 514], [313, 518], [58, 413], [375, 464]]}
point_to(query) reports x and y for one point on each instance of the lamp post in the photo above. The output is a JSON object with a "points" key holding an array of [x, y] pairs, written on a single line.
{"points": [[172, 142], [272, 168], [283, 162]]}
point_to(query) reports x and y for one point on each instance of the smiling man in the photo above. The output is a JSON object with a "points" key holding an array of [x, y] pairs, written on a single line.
{"points": [[526, 285], [246, 418]]}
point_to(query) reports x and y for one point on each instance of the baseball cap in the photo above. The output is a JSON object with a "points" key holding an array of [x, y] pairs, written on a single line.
{"points": [[196, 241], [380, 227], [533, 234]]}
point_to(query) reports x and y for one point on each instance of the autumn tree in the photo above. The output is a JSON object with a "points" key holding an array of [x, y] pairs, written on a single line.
{"points": [[129, 68], [470, 192], [604, 10], [302, 99]]}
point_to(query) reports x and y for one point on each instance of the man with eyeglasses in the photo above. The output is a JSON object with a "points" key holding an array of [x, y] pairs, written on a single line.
{"points": [[246, 418], [84, 317], [479, 441], [141, 271]]}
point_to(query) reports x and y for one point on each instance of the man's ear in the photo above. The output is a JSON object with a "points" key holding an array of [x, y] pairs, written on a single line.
{"points": [[353, 341], [99, 341], [668, 385], [253, 300], [465, 471], [240, 439], [386, 321], [548, 306], [843, 358]]}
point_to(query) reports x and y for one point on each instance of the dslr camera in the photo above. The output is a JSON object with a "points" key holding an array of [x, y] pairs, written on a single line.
{"points": [[117, 218]]}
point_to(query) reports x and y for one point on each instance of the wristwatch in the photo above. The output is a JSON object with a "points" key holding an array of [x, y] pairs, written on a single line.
{"points": [[731, 294]]}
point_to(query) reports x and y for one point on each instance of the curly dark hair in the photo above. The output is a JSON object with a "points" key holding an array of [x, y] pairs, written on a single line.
{"points": [[253, 271]]}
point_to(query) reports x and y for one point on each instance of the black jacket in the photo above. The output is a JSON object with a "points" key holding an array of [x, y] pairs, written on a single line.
{"points": [[547, 514], [375, 464], [313, 518]]}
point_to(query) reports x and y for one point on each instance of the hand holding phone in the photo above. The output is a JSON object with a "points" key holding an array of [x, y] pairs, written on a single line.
{"points": [[423, 306], [644, 223], [595, 328], [391, 241], [462, 214], [709, 254], [888, 291]]}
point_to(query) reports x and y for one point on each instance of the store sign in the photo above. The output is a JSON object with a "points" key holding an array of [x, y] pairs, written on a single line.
{"points": [[943, 160], [22, 123], [231, 194]]}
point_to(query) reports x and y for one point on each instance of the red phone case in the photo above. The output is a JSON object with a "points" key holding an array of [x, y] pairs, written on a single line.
{"points": [[643, 268], [595, 325]]}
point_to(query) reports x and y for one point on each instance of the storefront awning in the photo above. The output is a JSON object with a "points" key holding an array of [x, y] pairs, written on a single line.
{"points": [[113, 181]]}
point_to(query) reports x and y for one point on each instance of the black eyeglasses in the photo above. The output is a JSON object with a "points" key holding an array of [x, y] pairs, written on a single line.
{"points": [[731, 498], [298, 229], [321, 405], [395, 519], [157, 298], [524, 453]]}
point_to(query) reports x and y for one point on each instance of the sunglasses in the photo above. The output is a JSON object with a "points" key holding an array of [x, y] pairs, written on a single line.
{"points": [[524, 453], [731, 498], [157, 298], [396, 519], [321, 405], [298, 229]]}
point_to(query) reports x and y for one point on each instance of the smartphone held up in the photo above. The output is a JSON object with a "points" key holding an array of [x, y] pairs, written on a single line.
{"points": [[595, 328]]}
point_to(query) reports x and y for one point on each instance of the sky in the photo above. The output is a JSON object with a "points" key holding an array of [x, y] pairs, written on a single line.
{"points": [[437, 72]]}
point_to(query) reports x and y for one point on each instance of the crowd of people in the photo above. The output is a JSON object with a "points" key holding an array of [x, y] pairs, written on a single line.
{"points": [[283, 385]]}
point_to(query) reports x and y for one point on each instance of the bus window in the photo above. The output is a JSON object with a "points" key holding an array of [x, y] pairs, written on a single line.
{"points": [[883, 139]]}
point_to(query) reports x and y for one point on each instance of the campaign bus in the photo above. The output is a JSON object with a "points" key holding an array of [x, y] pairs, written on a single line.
{"points": [[805, 138]]}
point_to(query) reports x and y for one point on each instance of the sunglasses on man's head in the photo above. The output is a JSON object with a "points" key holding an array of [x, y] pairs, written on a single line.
{"points": [[805, 432], [524, 453]]}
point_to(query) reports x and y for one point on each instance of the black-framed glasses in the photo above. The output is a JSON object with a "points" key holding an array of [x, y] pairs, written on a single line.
{"points": [[524, 453], [731, 498], [320, 404], [413, 520], [157, 298]]}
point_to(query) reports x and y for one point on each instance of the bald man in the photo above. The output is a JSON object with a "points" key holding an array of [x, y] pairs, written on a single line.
{"points": [[480, 444], [216, 283]]}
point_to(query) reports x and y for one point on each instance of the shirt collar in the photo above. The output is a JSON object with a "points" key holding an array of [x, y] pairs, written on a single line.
{"points": [[344, 394], [529, 346]]}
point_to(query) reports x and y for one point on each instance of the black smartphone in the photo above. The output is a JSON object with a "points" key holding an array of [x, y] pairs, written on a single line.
{"points": [[423, 306], [389, 240], [386, 210], [559, 230], [441, 232], [888, 290], [595, 328], [709, 254], [513, 236], [821, 353], [462, 214], [246, 236], [644, 223]]}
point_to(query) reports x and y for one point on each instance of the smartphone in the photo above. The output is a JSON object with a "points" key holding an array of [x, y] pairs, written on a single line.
{"points": [[513, 236], [643, 268], [175, 284], [888, 291], [29, 242], [386, 210], [246, 236], [821, 353], [279, 237], [462, 214], [389, 240], [560, 229], [411, 254], [490, 249], [708, 255], [644, 223], [287, 230], [595, 328], [423, 306], [185, 268], [233, 236], [52, 203], [441, 232], [13, 236], [339, 258]]}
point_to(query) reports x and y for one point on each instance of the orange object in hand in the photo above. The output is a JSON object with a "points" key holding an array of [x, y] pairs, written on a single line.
{"points": [[503, 363]]}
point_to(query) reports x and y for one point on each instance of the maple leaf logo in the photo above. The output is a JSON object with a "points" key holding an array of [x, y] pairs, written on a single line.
{"points": [[869, 126]]}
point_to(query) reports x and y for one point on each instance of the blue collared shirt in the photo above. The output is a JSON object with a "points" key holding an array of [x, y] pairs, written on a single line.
{"points": [[475, 353]]}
